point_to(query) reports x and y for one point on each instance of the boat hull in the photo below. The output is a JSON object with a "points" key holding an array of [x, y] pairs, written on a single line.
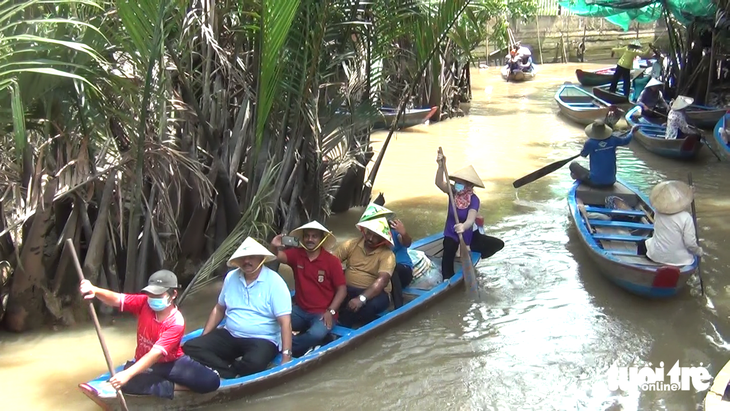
{"points": [[651, 137], [718, 144], [614, 98], [704, 117], [615, 254], [579, 105], [410, 118], [346, 340], [519, 76], [714, 398], [595, 77]]}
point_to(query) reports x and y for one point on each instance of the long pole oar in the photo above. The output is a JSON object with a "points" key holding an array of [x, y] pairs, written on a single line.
{"points": [[538, 174], [470, 278], [697, 233], [92, 311]]}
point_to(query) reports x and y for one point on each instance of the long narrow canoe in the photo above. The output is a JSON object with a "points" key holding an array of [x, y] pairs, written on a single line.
{"points": [[718, 143], [592, 78], [617, 98], [410, 118], [715, 399], [343, 339], [703, 116], [580, 105], [519, 76], [651, 136], [611, 237]]}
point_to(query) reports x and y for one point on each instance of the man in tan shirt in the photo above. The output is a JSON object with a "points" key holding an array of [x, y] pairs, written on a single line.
{"points": [[369, 265]]}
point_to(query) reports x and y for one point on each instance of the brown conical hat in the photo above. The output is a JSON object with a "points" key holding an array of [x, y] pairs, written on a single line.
{"points": [[468, 174], [671, 197]]}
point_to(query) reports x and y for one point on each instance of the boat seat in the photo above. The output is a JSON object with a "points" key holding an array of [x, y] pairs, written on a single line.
{"points": [[621, 252], [340, 330], [618, 237], [592, 195], [414, 291], [622, 224], [602, 210]]}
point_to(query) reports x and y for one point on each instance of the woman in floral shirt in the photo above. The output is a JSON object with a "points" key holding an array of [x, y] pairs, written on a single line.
{"points": [[677, 126]]}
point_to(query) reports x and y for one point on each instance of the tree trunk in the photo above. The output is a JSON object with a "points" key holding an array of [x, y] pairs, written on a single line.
{"points": [[95, 250], [26, 306]]}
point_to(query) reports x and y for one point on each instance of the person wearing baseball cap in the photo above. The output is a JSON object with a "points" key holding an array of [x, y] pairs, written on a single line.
{"points": [[256, 304], [160, 367]]}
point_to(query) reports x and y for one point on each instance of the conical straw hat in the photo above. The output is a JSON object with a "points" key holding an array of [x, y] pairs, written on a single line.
{"points": [[653, 82], [671, 197], [375, 211], [598, 130], [682, 102], [468, 174], [379, 226], [329, 241], [251, 247]]}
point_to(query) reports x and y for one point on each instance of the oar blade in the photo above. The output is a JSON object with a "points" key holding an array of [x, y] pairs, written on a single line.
{"points": [[538, 174]]}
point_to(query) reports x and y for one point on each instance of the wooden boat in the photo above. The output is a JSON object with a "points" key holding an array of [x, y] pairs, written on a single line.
{"points": [[592, 78], [718, 144], [519, 76], [342, 339], [703, 116], [580, 105], [651, 136], [618, 99], [410, 118], [715, 399], [611, 236], [633, 117]]}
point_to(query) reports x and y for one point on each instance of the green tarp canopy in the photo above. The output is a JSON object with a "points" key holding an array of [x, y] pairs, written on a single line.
{"points": [[623, 12]]}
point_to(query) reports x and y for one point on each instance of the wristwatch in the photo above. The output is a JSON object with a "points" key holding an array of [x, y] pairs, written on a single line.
{"points": [[286, 352], [333, 312], [362, 298]]}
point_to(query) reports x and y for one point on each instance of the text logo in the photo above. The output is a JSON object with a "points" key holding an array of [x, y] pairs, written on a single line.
{"points": [[654, 379]]}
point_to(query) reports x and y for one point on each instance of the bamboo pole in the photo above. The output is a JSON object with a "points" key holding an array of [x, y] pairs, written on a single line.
{"points": [[711, 68], [539, 46]]}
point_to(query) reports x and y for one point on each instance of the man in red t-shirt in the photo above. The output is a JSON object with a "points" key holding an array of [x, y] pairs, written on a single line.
{"points": [[319, 284], [159, 365]]}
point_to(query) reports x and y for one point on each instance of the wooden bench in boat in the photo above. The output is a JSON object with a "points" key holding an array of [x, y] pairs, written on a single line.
{"points": [[620, 224], [617, 237], [591, 195], [602, 210]]}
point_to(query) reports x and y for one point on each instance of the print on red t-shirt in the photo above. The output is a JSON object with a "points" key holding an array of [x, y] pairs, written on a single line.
{"points": [[164, 336], [315, 282]]}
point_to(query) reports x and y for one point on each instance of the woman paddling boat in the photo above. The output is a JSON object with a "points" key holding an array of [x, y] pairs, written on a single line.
{"points": [[467, 205]]}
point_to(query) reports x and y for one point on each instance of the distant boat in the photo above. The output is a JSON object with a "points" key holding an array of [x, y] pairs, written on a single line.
{"points": [[410, 118], [592, 78], [519, 76], [616, 98], [580, 105], [721, 148], [611, 235]]}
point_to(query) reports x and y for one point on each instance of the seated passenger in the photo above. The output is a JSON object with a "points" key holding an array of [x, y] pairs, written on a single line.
{"points": [[319, 283], [675, 240], [651, 100], [256, 304], [369, 266], [677, 126], [159, 367], [403, 272], [601, 147], [525, 63]]}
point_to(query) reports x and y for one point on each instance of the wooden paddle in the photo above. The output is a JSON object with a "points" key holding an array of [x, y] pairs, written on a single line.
{"points": [[697, 233], [470, 278], [92, 311], [538, 174]]}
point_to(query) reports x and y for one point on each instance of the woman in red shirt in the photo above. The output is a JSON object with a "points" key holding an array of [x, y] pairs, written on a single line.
{"points": [[160, 366]]}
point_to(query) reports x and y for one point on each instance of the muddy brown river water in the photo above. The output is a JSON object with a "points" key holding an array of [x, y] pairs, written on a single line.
{"points": [[547, 325]]}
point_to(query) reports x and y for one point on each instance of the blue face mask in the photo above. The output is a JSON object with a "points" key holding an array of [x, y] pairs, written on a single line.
{"points": [[458, 187], [158, 304]]}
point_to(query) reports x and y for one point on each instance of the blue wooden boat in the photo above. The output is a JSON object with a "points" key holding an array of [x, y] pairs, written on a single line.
{"points": [[342, 339], [697, 115], [721, 148], [611, 236], [580, 105]]}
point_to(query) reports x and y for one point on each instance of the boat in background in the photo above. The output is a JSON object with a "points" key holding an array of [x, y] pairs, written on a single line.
{"points": [[611, 236], [340, 339], [703, 116], [592, 78], [411, 117], [718, 143], [580, 105], [615, 98], [519, 76]]}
